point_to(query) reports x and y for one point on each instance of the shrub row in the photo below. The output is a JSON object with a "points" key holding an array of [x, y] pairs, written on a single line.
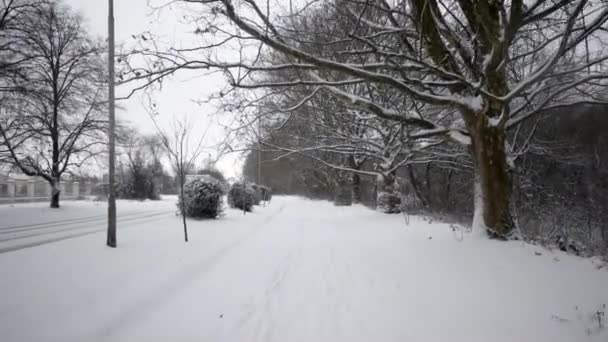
{"points": [[245, 195]]}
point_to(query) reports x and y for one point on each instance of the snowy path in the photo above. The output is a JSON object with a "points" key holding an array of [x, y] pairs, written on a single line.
{"points": [[296, 270]]}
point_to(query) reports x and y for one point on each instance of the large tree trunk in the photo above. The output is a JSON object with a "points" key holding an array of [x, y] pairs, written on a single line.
{"points": [[389, 196], [355, 180], [356, 188], [493, 184], [416, 186], [55, 193]]}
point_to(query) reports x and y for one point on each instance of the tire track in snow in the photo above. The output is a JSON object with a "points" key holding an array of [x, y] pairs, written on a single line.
{"points": [[11, 248], [270, 303], [65, 221], [102, 220]]}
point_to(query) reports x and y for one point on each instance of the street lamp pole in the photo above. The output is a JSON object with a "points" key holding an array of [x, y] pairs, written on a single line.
{"points": [[111, 241]]}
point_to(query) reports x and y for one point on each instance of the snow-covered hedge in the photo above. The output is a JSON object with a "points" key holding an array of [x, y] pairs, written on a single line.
{"points": [[202, 198], [389, 202], [241, 196]]}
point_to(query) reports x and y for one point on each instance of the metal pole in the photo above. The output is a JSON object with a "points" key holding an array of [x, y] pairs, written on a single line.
{"points": [[111, 241]]}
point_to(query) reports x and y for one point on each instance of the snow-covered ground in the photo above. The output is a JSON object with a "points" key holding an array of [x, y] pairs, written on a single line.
{"points": [[32, 224], [296, 270]]}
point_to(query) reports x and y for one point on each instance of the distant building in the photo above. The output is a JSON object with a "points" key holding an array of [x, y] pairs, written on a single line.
{"points": [[17, 187]]}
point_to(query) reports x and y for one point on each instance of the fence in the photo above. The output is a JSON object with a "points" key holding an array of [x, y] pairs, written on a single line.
{"points": [[18, 188]]}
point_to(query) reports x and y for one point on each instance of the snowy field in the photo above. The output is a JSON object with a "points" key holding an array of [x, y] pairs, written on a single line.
{"points": [[296, 270]]}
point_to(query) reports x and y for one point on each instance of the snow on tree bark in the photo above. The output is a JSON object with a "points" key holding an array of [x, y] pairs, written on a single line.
{"points": [[389, 196], [493, 186]]}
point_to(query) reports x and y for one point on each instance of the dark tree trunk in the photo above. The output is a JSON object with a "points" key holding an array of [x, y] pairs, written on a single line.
{"points": [[55, 193], [55, 200], [416, 186], [494, 179], [428, 183], [356, 188], [448, 190], [355, 180]]}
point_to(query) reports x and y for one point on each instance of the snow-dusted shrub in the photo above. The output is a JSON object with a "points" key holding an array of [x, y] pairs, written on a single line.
{"points": [[241, 196], [411, 204], [202, 199], [389, 202], [389, 196], [211, 175]]}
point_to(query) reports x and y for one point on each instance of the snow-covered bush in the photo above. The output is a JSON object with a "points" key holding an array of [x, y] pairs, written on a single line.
{"points": [[241, 196], [389, 202], [214, 174], [202, 199]]}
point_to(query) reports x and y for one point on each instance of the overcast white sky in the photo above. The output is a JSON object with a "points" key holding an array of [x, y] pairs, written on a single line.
{"points": [[175, 99]]}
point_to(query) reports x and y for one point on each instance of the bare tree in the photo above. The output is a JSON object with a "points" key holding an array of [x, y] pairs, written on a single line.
{"points": [[183, 151], [54, 119], [14, 14]]}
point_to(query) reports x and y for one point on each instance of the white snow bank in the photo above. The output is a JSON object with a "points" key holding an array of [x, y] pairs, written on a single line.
{"points": [[297, 270]]}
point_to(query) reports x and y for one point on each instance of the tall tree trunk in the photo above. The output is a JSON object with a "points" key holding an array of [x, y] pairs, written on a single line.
{"points": [[493, 191], [416, 186], [428, 184], [356, 188], [55, 193], [355, 180]]}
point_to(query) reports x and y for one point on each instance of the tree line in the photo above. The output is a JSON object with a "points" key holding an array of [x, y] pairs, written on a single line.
{"points": [[453, 106], [449, 92]]}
